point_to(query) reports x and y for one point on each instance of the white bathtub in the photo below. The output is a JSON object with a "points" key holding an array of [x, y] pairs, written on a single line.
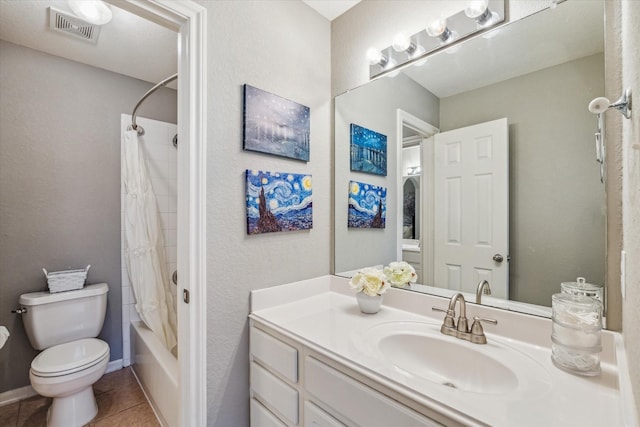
{"points": [[157, 371]]}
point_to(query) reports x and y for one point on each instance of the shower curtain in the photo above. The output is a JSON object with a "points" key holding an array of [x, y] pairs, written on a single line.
{"points": [[144, 246]]}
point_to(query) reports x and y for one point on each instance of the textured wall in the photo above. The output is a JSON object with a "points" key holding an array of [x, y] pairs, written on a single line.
{"points": [[60, 183], [282, 47], [546, 163], [630, 25]]}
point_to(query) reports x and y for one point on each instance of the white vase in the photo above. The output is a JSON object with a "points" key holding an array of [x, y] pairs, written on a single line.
{"points": [[369, 304]]}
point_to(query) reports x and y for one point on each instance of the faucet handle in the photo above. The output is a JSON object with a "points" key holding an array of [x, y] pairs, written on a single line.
{"points": [[449, 323], [477, 332]]}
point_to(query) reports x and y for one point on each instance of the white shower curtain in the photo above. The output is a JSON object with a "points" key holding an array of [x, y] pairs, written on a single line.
{"points": [[144, 246]]}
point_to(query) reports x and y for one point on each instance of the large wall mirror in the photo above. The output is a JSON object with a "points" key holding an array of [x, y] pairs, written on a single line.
{"points": [[501, 117]]}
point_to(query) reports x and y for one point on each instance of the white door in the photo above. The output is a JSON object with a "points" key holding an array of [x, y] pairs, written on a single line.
{"points": [[471, 208]]}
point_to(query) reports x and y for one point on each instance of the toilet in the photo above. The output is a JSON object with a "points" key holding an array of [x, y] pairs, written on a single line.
{"points": [[64, 326]]}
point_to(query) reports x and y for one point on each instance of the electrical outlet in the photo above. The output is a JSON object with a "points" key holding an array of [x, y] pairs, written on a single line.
{"points": [[623, 274]]}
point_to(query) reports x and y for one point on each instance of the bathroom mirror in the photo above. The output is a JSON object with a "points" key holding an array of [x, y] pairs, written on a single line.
{"points": [[538, 74]]}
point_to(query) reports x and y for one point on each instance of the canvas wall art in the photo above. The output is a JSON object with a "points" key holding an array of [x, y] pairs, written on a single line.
{"points": [[278, 202], [368, 151], [275, 125], [367, 205]]}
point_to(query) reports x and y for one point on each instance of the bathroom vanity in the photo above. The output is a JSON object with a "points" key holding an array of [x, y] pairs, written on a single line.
{"points": [[317, 361]]}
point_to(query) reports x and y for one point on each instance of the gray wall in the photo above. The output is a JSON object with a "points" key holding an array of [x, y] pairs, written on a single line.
{"points": [[60, 183], [282, 47], [556, 200], [373, 106]]}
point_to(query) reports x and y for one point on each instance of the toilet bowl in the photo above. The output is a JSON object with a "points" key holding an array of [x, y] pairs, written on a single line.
{"points": [[64, 326], [66, 373]]}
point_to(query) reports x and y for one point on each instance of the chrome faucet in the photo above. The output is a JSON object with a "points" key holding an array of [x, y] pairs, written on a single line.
{"points": [[461, 329], [483, 289], [449, 325]]}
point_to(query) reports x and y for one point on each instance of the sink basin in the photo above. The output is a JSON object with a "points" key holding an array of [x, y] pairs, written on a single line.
{"points": [[417, 354], [447, 362]]}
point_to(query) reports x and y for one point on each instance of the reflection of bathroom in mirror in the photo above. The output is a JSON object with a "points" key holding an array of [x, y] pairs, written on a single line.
{"points": [[554, 201]]}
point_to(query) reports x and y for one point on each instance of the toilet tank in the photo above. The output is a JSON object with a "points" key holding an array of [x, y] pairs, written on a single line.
{"points": [[56, 318]]}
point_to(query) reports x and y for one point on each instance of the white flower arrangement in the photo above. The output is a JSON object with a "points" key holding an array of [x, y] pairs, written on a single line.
{"points": [[400, 274], [370, 281]]}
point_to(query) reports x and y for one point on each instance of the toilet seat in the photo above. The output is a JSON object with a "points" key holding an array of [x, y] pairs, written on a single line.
{"points": [[67, 358]]}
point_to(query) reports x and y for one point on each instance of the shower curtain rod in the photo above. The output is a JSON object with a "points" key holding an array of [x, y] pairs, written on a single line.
{"points": [[145, 96]]}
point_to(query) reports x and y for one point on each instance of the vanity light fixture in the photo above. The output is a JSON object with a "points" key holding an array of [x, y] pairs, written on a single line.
{"points": [[480, 12], [92, 11], [442, 33]]}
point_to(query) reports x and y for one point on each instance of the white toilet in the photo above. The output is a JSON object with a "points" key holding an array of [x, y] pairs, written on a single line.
{"points": [[65, 325]]}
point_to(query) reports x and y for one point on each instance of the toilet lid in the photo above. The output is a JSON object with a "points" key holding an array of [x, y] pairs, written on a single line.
{"points": [[67, 358]]}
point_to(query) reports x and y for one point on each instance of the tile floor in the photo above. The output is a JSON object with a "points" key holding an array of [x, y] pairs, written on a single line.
{"points": [[121, 403]]}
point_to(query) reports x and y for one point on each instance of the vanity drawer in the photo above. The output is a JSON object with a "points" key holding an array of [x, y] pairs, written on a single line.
{"points": [[275, 354], [275, 392], [411, 257], [357, 402], [262, 417], [316, 417]]}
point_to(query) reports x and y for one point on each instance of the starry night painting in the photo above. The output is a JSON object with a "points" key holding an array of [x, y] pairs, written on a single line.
{"points": [[367, 205], [368, 151], [278, 202], [275, 125]]}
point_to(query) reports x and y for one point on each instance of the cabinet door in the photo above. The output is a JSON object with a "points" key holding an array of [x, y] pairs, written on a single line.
{"points": [[278, 356], [262, 417], [275, 392], [354, 401], [316, 417]]}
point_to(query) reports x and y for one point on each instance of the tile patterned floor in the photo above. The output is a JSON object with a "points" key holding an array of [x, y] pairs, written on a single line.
{"points": [[121, 403]]}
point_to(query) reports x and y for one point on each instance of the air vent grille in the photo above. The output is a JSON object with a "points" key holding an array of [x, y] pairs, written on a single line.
{"points": [[73, 26]]}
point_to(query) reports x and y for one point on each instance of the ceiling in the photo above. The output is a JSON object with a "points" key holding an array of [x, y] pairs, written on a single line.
{"points": [[331, 9], [127, 45]]}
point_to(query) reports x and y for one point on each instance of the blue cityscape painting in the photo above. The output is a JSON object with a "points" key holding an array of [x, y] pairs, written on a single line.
{"points": [[367, 205], [368, 151], [275, 125], [278, 202]]}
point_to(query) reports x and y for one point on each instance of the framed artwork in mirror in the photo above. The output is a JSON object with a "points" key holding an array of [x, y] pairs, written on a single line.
{"points": [[278, 201], [367, 205], [368, 151], [275, 125]]}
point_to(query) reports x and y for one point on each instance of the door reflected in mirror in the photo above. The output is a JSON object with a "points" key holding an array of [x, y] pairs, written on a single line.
{"points": [[546, 221]]}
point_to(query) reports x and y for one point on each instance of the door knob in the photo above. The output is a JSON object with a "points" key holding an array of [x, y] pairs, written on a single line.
{"points": [[498, 258]]}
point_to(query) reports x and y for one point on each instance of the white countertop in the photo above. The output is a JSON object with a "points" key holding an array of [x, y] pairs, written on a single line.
{"points": [[322, 314]]}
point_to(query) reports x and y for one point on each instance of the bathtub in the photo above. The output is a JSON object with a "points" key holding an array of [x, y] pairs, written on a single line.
{"points": [[157, 372]]}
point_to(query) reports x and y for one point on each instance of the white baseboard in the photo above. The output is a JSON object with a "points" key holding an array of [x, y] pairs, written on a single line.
{"points": [[11, 396], [114, 365]]}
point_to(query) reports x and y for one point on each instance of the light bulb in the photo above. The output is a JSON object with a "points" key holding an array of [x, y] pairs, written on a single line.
{"points": [[475, 8], [374, 56], [401, 43], [479, 10], [93, 11], [437, 27]]}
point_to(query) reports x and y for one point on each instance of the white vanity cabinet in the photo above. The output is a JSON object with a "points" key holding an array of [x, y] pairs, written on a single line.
{"points": [[291, 385]]}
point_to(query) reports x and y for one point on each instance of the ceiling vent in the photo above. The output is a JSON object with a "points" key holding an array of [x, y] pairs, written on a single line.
{"points": [[73, 26]]}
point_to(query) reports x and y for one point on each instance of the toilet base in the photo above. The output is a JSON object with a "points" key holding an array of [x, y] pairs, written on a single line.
{"points": [[74, 410]]}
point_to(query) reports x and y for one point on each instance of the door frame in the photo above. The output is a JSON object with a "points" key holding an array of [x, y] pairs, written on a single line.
{"points": [[189, 20], [426, 131]]}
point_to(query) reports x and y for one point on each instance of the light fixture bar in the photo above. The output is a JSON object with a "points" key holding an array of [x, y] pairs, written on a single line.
{"points": [[458, 27]]}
